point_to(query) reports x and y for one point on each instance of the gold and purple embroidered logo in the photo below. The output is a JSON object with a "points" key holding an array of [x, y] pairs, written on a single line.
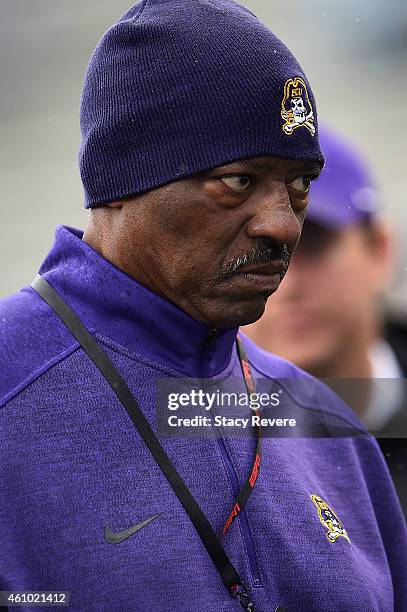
{"points": [[296, 109], [329, 520]]}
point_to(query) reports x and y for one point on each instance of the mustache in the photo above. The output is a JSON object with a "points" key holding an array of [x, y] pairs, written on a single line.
{"points": [[265, 252]]}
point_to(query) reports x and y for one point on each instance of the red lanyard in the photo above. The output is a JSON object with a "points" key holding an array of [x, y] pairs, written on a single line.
{"points": [[248, 486]]}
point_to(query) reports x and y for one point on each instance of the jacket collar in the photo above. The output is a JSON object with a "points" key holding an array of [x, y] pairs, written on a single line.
{"points": [[118, 307]]}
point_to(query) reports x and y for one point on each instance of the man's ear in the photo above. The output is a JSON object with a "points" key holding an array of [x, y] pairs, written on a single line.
{"points": [[101, 220]]}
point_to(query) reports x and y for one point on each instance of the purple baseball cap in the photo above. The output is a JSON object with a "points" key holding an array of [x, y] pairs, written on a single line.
{"points": [[345, 193]]}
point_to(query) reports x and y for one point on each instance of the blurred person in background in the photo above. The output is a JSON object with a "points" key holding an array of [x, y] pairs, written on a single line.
{"points": [[328, 316]]}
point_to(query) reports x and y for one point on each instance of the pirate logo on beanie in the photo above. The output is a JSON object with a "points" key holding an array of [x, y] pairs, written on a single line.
{"points": [[296, 109], [329, 520]]}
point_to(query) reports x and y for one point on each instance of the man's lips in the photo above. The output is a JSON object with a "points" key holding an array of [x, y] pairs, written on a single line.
{"points": [[269, 268], [260, 277]]}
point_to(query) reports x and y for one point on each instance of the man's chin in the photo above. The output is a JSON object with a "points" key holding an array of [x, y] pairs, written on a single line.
{"points": [[237, 313]]}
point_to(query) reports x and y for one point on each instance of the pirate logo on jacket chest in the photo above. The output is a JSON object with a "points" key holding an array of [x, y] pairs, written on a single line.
{"points": [[329, 520], [296, 109]]}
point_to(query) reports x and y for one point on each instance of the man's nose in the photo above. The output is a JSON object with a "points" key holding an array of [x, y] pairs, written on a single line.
{"points": [[273, 216]]}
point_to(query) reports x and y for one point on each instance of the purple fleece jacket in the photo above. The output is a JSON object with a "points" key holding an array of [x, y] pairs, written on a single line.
{"points": [[71, 462]]}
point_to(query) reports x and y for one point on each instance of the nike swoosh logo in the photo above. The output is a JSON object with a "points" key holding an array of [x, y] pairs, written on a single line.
{"points": [[115, 537]]}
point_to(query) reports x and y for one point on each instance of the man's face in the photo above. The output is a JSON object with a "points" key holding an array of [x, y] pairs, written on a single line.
{"points": [[217, 244], [327, 304]]}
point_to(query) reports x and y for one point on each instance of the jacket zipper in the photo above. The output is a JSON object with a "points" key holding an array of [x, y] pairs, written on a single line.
{"points": [[233, 478], [244, 523]]}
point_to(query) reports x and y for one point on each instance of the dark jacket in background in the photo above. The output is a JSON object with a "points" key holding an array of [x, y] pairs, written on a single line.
{"points": [[395, 448]]}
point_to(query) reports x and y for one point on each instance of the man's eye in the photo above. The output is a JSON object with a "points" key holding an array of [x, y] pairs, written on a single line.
{"points": [[300, 184], [238, 182]]}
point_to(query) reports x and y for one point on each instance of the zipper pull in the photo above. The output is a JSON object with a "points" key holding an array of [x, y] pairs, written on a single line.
{"points": [[210, 337]]}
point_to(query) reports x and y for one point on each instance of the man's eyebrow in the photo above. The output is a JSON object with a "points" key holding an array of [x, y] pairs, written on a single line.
{"points": [[314, 169]]}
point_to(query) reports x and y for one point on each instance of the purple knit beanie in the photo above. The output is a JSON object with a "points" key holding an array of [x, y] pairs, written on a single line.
{"points": [[176, 87]]}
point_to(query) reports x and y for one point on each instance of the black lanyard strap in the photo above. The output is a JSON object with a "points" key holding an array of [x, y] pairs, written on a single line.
{"points": [[228, 573]]}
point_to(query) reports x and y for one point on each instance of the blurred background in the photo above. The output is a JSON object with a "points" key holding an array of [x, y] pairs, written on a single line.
{"points": [[353, 52]]}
